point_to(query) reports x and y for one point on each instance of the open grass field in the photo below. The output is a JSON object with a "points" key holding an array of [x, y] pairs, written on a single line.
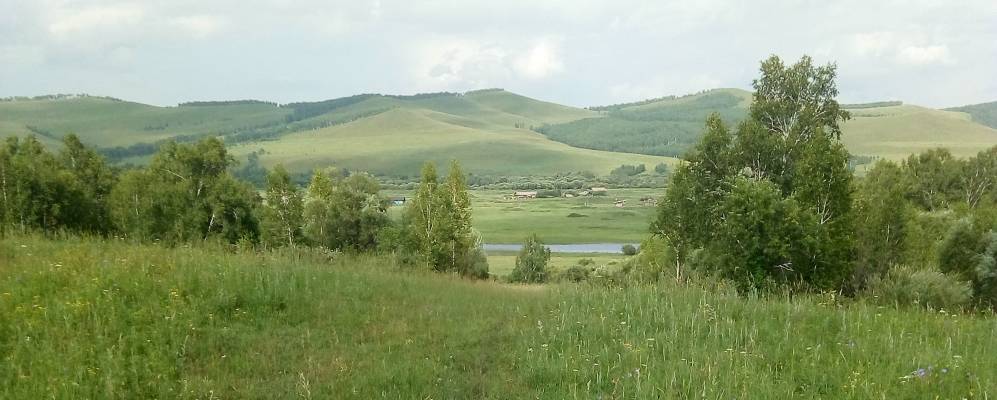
{"points": [[590, 219], [92, 319]]}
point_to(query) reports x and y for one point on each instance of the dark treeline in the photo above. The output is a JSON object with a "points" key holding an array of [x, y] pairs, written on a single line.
{"points": [[771, 204], [860, 106], [668, 130], [187, 194], [227, 103]]}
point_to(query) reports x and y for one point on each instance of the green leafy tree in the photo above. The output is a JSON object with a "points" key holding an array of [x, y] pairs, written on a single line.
{"points": [[933, 178], [96, 182], [184, 194], [38, 192], [531, 263], [881, 221], [688, 215], [438, 222], [281, 218], [789, 218], [357, 213], [978, 179], [423, 215], [317, 214]]}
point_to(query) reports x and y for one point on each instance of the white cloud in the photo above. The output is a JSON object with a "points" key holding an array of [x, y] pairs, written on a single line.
{"points": [[460, 64], [199, 26], [923, 55], [872, 43], [69, 22], [540, 61]]}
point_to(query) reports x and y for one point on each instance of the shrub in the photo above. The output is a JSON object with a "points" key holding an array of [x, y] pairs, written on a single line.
{"points": [[629, 249], [574, 273], [531, 263], [549, 194], [958, 252], [905, 286], [661, 169]]}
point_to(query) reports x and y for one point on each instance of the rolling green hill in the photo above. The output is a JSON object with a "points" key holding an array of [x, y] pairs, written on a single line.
{"points": [[108, 122], [487, 130], [895, 132], [670, 125], [398, 141], [492, 131]]}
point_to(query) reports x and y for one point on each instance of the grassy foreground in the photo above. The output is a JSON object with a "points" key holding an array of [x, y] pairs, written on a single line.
{"points": [[95, 319]]}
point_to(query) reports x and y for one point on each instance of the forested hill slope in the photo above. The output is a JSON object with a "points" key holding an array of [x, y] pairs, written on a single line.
{"points": [[671, 125], [983, 113]]}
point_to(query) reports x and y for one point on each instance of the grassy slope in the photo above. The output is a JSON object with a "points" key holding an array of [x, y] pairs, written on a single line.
{"points": [[109, 123], [398, 141], [109, 320], [898, 131]]}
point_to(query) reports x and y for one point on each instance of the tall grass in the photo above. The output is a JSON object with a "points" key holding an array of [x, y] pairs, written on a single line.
{"points": [[105, 319]]}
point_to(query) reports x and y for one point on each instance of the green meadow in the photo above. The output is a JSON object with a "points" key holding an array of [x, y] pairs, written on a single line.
{"points": [[586, 219], [107, 319]]}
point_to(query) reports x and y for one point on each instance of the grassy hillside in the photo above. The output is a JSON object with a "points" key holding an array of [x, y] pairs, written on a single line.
{"points": [[985, 113], [669, 126], [487, 130], [85, 319], [108, 123], [398, 141], [897, 131]]}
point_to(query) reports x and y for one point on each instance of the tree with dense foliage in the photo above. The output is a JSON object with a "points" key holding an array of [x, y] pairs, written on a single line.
{"points": [[185, 194], [281, 219], [531, 263], [38, 191], [97, 180], [439, 228], [881, 218], [773, 202]]}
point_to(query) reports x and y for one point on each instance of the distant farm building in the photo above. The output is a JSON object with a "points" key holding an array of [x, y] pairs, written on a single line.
{"points": [[525, 195], [599, 190]]}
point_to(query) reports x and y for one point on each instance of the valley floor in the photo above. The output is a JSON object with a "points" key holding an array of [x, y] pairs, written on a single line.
{"points": [[106, 319]]}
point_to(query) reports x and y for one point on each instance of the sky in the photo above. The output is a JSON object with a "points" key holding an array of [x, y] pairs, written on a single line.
{"points": [[583, 53]]}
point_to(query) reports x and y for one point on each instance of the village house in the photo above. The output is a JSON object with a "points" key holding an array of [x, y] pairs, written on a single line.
{"points": [[525, 195]]}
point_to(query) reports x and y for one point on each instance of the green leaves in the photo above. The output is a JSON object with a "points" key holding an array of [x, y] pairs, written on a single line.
{"points": [[531, 263], [438, 223], [773, 202]]}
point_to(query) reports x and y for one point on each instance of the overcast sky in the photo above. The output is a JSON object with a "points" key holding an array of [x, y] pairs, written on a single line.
{"points": [[933, 53]]}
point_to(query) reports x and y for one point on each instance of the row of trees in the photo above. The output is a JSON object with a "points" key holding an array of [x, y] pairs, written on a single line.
{"points": [[187, 193], [773, 203]]}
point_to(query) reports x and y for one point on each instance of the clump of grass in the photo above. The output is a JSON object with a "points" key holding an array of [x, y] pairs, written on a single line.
{"points": [[577, 215], [106, 319]]}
